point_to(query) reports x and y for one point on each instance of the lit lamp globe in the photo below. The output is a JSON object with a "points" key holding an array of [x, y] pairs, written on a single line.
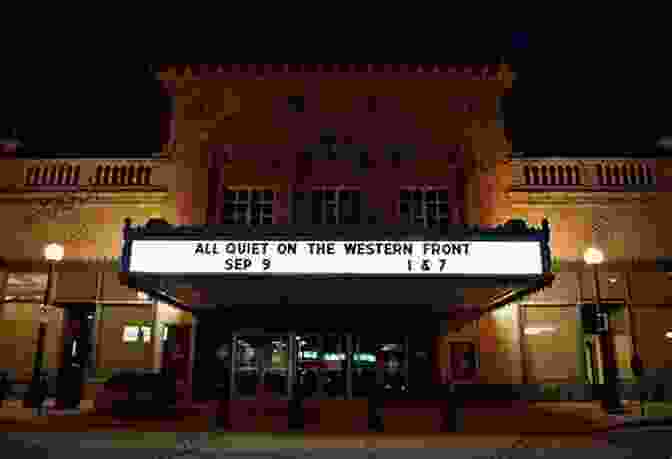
{"points": [[53, 252], [593, 256]]}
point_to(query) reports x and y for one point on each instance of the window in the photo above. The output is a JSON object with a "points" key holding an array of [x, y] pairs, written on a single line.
{"points": [[248, 207], [336, 206], [427, 207], [130, 334], [463, 360], [296, 104], [371, 104]]}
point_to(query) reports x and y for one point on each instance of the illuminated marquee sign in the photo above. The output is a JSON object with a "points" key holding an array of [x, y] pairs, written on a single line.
{"points": [[278, 257]]}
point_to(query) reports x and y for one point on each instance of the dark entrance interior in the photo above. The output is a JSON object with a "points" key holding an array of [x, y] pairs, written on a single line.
{"points": [[79, 320], [384, 353]]}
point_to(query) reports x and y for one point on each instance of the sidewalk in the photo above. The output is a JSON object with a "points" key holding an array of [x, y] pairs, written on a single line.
{"points": [[477, 418]]}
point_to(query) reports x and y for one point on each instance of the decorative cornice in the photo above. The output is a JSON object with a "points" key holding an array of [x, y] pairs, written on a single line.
{"points": [[513, 229], [488, 71], [588, 159], [152, 193], [521, 197]]}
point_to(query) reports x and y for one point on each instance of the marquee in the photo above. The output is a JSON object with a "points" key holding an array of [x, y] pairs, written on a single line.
{"points": [[418, 258]]}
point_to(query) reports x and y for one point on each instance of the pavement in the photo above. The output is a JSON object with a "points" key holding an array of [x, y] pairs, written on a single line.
{"points": [[483, 424]]}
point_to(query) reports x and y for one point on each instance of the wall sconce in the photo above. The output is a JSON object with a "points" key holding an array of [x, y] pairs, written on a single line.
{"points": [[613, 280], [668, 335]]}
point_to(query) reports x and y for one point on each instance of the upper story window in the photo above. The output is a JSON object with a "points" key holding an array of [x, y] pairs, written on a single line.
{"points": [[296, 104], [371, 104], [248, 206], [425, 206], [331, 206]]}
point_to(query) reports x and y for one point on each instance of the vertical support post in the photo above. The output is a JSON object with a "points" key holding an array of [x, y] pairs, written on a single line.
{"points": [[358, 353], [320, 373], [233, 390], [522, 342], [192, 357], [611, 398], [348, 366], [636, 363], [156, 337], [291, 365], [407, 360], [96, 327], [42, 331]]}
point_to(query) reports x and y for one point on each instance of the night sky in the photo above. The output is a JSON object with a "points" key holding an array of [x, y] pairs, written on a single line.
{"points": [[570, 98]]}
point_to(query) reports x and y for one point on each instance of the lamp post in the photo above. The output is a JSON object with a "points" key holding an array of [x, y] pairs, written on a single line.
{"points": [[611, 399], [53, 253]]}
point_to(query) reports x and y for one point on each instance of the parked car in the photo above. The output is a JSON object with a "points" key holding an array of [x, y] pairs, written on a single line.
{"points": [[138, 394]]}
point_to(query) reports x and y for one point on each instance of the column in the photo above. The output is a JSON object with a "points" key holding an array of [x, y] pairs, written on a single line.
{"points": [[63, 383], [291, 365], [407, 359], [192, 356], [233, 392], [96, 334], [358, 353], [97, 339], [348, 366], [320, 373], [157, 332]]}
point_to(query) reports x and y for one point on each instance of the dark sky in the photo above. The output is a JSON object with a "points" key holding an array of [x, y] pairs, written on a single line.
{"points": [[603, 95], [570, 98], [84, 109]]}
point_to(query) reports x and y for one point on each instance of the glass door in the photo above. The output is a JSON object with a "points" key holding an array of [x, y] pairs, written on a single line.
{"points": [[321, 368], [261, 363]]}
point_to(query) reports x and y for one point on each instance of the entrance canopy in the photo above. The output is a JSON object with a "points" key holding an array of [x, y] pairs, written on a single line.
{"points": [[452, 271]]}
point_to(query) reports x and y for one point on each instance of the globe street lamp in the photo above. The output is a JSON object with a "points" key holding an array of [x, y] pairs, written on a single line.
{"points": [[611, 398], [53, 253]]}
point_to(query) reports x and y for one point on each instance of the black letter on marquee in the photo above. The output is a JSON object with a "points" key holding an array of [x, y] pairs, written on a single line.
{"points": [[199, 249]]}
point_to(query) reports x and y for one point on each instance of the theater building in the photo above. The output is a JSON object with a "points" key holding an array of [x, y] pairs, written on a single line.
{"points": [[327, 147]]}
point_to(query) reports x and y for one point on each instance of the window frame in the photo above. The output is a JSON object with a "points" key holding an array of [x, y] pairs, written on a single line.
{"points": [[424, 189], [250, 204], [323, 206]]}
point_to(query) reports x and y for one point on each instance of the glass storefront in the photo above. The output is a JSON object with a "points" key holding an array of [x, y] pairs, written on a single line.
{"points": [[318, 368]]}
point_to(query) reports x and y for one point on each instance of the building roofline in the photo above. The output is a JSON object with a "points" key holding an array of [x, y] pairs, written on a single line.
{"points": [[75, 157], [522, 156]]}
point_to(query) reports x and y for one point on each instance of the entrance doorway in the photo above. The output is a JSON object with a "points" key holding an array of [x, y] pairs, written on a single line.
{"points": [[262, 361], [77, 346], [315, 365], [592, 361]]}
